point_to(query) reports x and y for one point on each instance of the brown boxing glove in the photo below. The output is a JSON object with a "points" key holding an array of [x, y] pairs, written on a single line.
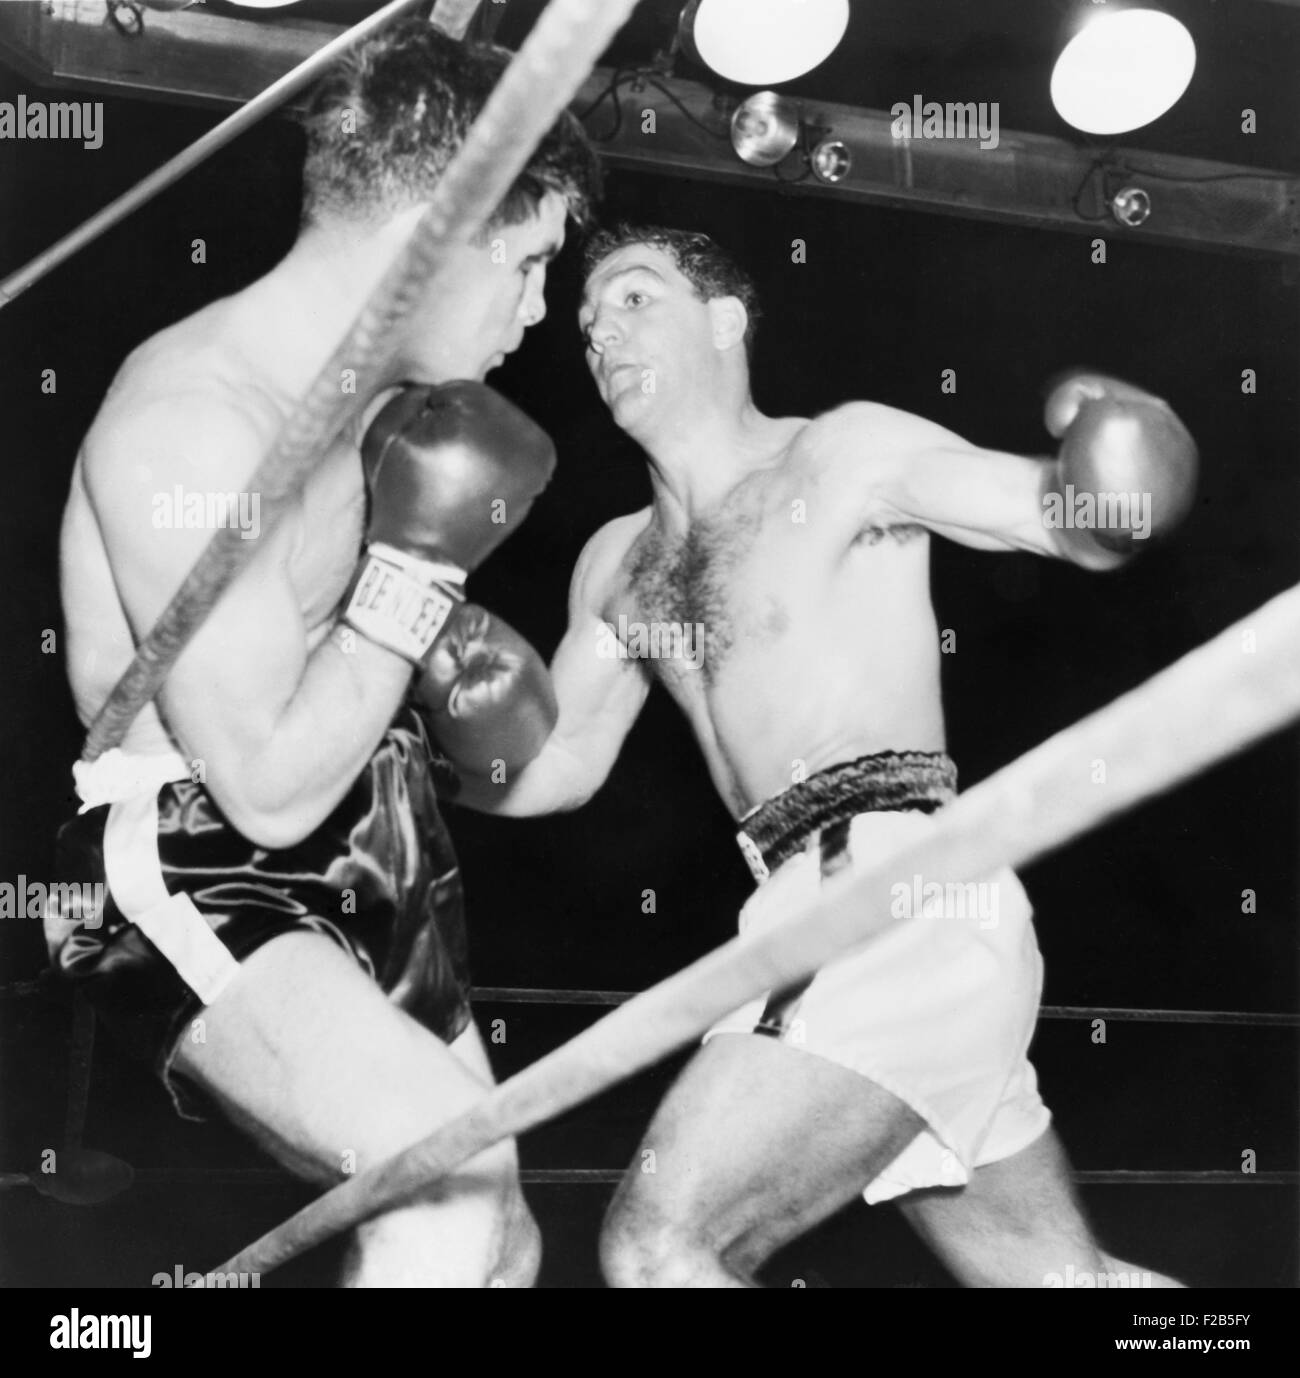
{"points": [[486, 694], [1126, 469]]}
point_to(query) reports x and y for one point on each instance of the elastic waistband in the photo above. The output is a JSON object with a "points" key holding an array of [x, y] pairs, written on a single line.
{"points": [[887, 781], [116, 776]]}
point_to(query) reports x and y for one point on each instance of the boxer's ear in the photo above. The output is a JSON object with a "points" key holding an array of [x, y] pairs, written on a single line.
{"points": [[729, 319]]}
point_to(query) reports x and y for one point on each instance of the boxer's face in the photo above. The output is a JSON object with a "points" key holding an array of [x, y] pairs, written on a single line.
{"points": [[642, 320], [474, 313]]}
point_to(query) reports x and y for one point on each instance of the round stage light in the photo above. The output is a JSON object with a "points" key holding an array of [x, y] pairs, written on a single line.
{"points": [[1122, 70], [1131, 206], [764, 129], [831, 160], [758, 42]]}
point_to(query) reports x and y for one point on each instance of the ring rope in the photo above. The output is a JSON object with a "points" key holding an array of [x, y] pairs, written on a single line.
{"points": [[454, 16], [521, 995], [525, 995], [542, 79], [603, 1176], [1213, 702], [198, 152]]}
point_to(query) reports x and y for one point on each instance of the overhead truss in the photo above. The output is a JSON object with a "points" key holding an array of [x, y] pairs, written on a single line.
{"points": [[1027, 179]]}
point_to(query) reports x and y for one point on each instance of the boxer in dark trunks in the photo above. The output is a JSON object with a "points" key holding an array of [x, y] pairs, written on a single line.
{"points": [[283, 934], [801, 547]]}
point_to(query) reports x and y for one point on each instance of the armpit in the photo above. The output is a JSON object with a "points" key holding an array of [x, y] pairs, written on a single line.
{"points": [[900, 533]]}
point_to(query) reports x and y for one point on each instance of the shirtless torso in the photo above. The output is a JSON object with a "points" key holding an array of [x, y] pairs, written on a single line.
{"points": [[109, 602], [801, 549], [819, 644], [283, 718], [281, 727]]}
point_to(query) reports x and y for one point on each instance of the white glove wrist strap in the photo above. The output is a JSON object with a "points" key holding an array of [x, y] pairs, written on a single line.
{"points": [[401, 602]]}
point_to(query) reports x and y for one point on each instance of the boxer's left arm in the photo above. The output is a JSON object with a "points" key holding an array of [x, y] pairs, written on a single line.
{"points": [[1126, 470], [599, 692]]}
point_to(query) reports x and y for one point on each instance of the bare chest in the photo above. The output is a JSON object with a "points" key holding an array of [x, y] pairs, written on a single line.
{"points": [[688, 603]]}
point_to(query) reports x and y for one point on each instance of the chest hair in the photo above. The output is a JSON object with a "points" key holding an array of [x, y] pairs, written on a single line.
{"points": [[690, 580]]}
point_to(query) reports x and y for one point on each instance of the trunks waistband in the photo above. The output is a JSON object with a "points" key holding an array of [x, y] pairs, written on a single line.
{"points": [[887, 781], [117, 775]]}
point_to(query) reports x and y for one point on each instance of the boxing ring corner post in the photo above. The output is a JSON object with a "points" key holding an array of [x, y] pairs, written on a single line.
{"points": [[1214, 702]]}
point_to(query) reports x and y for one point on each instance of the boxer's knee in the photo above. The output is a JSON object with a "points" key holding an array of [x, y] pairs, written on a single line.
{"points": [[405, 1249], [638, 1254], [640, 1246], [472, 1229]]}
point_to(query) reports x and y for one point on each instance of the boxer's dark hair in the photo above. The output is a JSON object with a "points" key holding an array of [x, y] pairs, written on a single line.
{"points": [[710, 270], [388, 118]]}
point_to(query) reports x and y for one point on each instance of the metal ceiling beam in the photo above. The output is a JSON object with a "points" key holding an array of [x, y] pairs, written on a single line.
{"points": [[190, 57], [1027, 179]]}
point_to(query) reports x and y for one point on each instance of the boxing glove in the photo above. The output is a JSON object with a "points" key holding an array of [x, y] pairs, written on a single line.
{"points": [[1126, 469], [451, 471], [485, 693]]}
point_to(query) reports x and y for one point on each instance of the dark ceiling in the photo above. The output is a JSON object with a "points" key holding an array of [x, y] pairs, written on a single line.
{"points": [[1248, 56]]}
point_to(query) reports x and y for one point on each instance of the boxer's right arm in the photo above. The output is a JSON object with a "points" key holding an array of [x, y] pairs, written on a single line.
{"points": [[599, 692], [281, 733]]}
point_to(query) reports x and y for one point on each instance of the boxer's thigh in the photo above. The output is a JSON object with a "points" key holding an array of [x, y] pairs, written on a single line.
{"points": [[755, 1143], [1015, 1222], [305, 1052]]}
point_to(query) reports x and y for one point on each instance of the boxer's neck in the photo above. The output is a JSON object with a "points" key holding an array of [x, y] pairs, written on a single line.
{"points": [[310, 299], [697, 460]]}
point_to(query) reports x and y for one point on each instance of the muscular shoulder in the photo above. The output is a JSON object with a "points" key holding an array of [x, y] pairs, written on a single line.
{"points": [[602, 560], [863, 454], [178, 411], [864, 430], [866, 449]]}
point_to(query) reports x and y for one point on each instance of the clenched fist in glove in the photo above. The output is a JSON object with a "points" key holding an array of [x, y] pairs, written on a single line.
{"points": [[451, 471], [1126, 469], [486, 693]]}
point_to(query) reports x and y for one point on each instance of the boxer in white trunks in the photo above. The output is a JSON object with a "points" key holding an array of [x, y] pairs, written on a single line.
{"points": [[801, 549]]}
